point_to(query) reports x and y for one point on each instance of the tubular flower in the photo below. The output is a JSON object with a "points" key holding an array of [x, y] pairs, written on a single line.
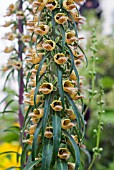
{"points": [[48, 132], [8, 49], [56, 105], [31, 100], [20, 15], [66, 124], [60, 58], [60, 18], [37, 113], [46, 88], [68, 86], [8, 23], [51, 4], [17, 65], [79, 1], [75, 96], [76, 16], [63, 153], [42, 29], [10, 36], [71, 114], [70, 37], [35, 57], [30, 140], [71, 166], [48, 45], [69, 4], [31, 129], [40, 4], [25, 38], [73, 76], [43, 69]]}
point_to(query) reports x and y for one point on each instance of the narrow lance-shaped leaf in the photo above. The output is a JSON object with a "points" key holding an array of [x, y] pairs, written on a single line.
{"points": [[62, 165], [46, 113], [60, 86], [35, 140], [76, 149], [47, 154], [56, 123]]}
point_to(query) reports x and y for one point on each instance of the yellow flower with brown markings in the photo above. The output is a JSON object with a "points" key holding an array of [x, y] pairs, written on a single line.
{"points": [[30, 140], [48, 132], [8, 49], [73, 76], [71, 166], [46, 88], [35, 58], [37, 113], [17, 65], [60, 58], [75, 96], [10, 36], [56, 105], [76, 16], [69, 4], [51, 4], [40, 4], [71, 37], [31, 130], [63, 153], [26, 38], [68, 86], [60, 18], [71, 114], [66, 124], [20, 15], [43, 69], [48, 45], [8, 23], [42, 29]]}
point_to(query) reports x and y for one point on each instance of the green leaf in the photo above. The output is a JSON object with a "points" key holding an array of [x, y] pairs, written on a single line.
{"points": [[63, 35], [36, 89], [35, 140], [84, 54], [76, 149], [76, 111], [72, 57], [60, 86], [7, 105], [11, 72], [40, 66], [62, 165], [87, 153], [3, 99], [24, 155], [46, 113], [56, 123], [47, 154], [31, 164], [27, 80]]}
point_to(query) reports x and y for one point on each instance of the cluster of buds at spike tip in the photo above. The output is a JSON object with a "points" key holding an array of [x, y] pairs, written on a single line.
{"points": [[54, 85]]}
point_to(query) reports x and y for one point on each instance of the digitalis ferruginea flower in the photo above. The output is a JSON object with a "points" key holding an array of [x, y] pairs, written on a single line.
{"points": [[70, 37], [51, 4], [48, 45], [71, 114], [63, 153], [48, 132], [68, 86], [60, 58], [46, 88], [41, 29], [61, 18], [56, 105], [69, 4], [66, 124]]}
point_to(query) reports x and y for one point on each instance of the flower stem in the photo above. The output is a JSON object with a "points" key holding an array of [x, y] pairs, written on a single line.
{"points": [[21, 83]]}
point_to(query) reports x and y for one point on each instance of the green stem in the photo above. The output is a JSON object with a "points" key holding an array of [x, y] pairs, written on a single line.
{"points": [[92, 162]]}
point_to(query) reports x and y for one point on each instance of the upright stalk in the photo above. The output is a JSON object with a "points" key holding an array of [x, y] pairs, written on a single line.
{"points": [[21, 83]]}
